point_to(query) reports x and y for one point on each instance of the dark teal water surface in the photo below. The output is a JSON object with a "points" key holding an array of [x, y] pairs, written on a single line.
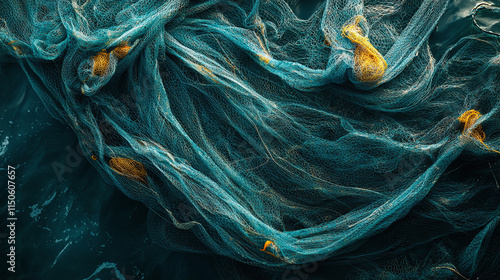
{"points": [[70, 223]]}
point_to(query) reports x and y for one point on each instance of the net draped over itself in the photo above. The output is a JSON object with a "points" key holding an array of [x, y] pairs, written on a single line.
{"points": [[275, 140]]}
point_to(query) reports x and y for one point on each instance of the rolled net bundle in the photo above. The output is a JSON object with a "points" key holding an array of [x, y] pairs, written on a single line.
{"points": [[274, 140]]}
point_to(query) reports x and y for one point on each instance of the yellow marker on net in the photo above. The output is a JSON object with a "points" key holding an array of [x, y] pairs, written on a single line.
{"points": [[469, 119], [264, 58], [129, 168], [121, 50], [369, 64], [266, 245], [101, 62], [16, 48], [101, 59]]}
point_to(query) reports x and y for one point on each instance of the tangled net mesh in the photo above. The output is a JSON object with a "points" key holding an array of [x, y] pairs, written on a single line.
{"points": [[279, 141]]}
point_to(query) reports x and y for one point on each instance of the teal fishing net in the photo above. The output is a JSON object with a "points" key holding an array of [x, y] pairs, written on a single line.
{"points": [[279, 141]]}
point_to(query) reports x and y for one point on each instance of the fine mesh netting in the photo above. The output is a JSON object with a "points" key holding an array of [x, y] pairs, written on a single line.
{"points": [[278, 141]]}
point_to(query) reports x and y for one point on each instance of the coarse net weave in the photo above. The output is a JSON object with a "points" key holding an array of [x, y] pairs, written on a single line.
{"points": [[275, 140]]}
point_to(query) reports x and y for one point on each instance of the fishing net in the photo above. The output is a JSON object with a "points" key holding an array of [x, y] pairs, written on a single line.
{"points": [[279, 141]]}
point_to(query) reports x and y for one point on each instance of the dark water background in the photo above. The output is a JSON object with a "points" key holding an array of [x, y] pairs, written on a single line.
{"points": [[73, 225]]}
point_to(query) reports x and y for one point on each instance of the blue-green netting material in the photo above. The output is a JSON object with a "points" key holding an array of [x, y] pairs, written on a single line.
{"points": [[248, 132]]}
